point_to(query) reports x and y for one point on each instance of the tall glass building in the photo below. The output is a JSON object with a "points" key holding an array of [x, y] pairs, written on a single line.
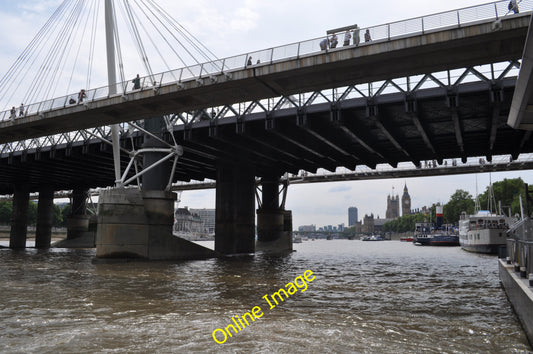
{"points": [[352, 216]]}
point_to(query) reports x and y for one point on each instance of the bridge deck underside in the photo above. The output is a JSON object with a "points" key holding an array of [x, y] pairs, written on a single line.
{"points": [[435, 123]]}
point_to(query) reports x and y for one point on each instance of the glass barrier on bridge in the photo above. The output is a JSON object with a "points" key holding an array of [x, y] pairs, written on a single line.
{"points": [[419, 25]]}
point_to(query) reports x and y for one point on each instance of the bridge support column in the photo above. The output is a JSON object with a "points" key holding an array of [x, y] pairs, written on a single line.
{"points": [[138, 224], [78, 222], [135, 223], [157, 178], [45, 218], [235, 209], [274, 224], [19, 217]]}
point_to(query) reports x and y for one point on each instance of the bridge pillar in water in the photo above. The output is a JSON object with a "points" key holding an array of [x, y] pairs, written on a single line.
{"points": [[274, 224], [235, 209], [78, 222], [45, 218], [19, 217], [135, 223]]}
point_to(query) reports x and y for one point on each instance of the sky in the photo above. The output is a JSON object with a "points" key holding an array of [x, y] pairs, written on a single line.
{"points": [[234, 27]]}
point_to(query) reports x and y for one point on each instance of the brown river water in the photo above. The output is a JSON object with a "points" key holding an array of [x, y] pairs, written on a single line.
{"points": [[366, 297]]}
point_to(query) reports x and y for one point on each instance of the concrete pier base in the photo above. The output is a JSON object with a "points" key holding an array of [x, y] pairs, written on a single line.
{"points": [[272, 236], [272, 220], [520, 294], [78, 222], [85, 230], [81, 228], [235, 210], [138, 224], [19, 217], [45, 218]]}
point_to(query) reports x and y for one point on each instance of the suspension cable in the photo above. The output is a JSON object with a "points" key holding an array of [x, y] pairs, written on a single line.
{"points": [[24, 60], [137, 39], [46, 73], [188, 36], [92, 44]]}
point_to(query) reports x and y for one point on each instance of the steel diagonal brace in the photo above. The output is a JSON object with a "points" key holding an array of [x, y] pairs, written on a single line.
{"points": [[172, 152], [151, 134], [106, 141]]}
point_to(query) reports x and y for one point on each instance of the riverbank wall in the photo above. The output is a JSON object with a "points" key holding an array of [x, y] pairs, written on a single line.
{"points": [[520, 294]]}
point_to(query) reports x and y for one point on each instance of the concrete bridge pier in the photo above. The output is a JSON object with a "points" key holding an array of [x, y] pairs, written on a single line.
{"points": [[19, 217], [135, 223], [45, 218], [235, 209], [81, 231], [78, 222], [274, 224]]}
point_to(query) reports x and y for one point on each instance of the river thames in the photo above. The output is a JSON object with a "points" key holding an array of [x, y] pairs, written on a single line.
{"points": [[367, 297]]}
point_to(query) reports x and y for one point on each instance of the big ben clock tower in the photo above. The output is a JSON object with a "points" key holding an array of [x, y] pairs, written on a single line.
{"points": [[406, 201]]}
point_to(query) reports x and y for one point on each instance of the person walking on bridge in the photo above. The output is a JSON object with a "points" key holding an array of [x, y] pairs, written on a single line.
{"points": [[13, 113], [367, 36], [347, 37], [81, 96], [136, 83], [21, 110], [513, 6], [333, 41], [324, 44], [356, 38]]}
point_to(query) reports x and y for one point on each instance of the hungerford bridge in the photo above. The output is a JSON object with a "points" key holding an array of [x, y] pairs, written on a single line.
{"points": [[442, 89]]}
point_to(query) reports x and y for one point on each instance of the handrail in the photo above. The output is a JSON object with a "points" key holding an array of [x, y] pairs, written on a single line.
{"points": [[384, 32]]}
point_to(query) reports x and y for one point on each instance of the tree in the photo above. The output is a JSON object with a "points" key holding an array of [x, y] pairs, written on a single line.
{"points": [[403, 224], [460, 201], [507, 192], [58, 216], [6, 209], [32, 213], [66, 212]]}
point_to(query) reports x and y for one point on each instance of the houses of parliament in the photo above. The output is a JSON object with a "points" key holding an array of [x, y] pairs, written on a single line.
{"points": [[369, 224], [393, 204]]}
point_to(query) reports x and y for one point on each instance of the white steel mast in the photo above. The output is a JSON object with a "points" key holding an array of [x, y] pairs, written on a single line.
{"points": [[112, 81]]}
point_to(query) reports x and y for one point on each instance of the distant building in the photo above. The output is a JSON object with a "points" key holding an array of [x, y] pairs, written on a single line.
{"points": [[368, 224], [208, 218], [307, 228], [340, 228], [406, 202], [358, 227], [352, 216], [378, 224], [186, 223], [393, 207]]}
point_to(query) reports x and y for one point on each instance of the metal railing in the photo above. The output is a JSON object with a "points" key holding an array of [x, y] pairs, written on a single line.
{"points": [[520, 248], [380, 33], [450, 79]]}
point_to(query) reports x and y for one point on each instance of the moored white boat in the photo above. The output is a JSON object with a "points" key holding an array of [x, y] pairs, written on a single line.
{"points": [[483, 232]]}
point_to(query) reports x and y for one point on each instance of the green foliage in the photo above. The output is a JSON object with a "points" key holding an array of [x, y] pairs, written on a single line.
{"points": [[404, 224], [32, 213], [459, 201], [6, 209], [506, 191], [58, 216], [66, 211]]}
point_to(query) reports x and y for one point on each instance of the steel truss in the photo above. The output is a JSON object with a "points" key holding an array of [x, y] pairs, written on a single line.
{"points": [[450, 80]]}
